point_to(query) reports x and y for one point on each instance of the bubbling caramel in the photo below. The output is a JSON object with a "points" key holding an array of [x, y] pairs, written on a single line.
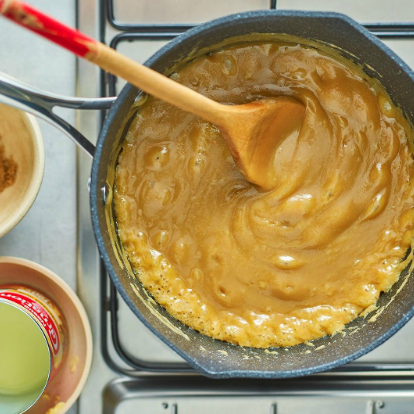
{"points": [[269, 268]]}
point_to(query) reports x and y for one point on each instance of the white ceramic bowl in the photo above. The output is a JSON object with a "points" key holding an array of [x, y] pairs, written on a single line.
{"points": [[63, 390], [22, 139]]}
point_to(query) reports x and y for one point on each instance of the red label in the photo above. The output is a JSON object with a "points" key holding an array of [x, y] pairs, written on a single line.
{"points": [[40, 315]]}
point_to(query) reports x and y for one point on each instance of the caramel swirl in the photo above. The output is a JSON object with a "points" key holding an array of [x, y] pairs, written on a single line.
{"points": [[269, 268]]}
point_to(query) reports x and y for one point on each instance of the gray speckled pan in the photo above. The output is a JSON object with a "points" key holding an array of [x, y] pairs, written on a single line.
{"points": [[214, 358]]}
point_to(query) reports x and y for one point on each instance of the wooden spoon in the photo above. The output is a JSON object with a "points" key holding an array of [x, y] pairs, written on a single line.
{"points": [[252, 131]]}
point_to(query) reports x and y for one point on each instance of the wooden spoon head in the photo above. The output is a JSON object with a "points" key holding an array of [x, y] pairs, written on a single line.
{"points": [[254, 131]]}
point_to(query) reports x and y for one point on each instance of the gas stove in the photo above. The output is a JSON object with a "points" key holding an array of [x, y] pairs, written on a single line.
{"points": [[133, 371]]}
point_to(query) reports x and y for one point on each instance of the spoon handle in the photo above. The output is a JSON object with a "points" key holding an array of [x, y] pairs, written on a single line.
{"points": [[110, 60]]}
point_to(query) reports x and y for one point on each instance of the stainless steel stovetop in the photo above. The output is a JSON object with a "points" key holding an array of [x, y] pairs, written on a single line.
{"points": [[133, 371]]}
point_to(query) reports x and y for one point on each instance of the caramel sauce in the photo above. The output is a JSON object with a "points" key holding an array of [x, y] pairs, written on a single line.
{"points": [[269, 268]]}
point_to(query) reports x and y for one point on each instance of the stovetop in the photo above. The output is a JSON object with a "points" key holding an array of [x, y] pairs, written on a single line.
{"points": [[133, 371]]}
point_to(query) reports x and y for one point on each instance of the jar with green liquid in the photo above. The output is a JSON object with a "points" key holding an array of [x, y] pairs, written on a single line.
{"points": [[31, 347]]}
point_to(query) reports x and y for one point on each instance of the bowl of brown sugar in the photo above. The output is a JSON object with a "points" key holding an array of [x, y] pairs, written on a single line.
{"points": [[21, 165]]}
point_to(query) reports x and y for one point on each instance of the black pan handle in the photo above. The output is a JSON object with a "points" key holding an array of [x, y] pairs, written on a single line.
{"points": [[41, 104]]}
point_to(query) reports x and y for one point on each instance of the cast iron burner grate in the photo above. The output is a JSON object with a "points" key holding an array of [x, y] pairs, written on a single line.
{"points": [[109, 296]]}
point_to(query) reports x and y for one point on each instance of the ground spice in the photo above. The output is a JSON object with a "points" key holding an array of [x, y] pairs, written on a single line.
{"points": [[8, 169]]}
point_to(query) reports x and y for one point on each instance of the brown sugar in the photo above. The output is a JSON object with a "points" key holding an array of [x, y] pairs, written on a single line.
{"points": [[8, 169], [280, 267]]}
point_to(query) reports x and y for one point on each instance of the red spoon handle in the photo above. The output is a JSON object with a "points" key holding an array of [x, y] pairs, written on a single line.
{"points": [[46, 26], [108, 59]]}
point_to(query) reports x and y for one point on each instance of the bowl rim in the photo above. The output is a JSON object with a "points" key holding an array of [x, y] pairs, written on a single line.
{"points": [[37, 174], [55, 279]]}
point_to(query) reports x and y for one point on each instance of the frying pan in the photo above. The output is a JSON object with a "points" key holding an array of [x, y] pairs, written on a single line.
{"points": [[211, 357]]}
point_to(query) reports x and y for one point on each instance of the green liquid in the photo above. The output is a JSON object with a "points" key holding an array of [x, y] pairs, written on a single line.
{"points": [[24, 360]]}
